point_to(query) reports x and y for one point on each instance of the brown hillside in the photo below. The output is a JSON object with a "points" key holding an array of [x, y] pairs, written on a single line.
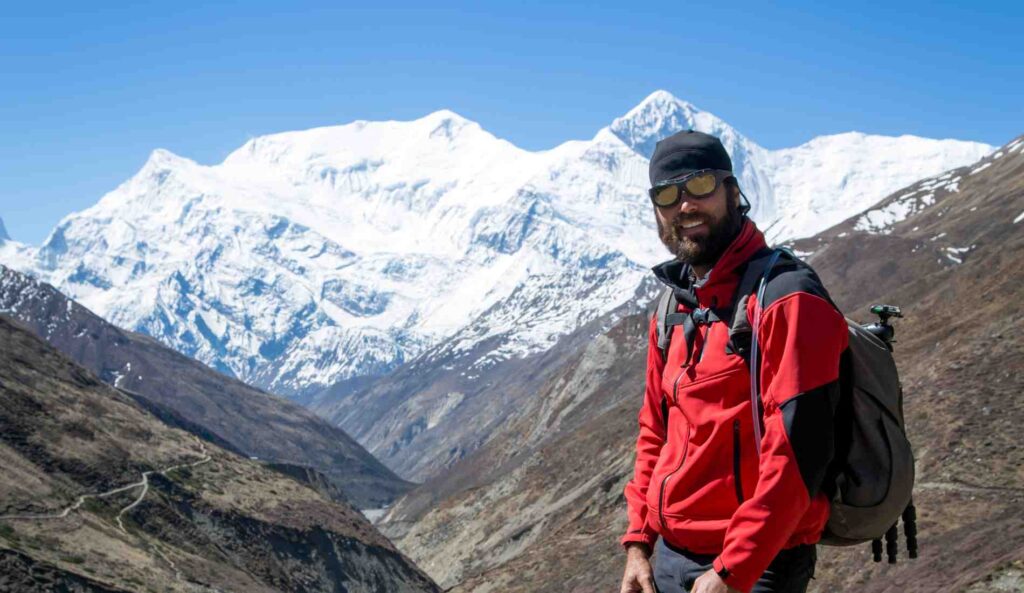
{"points": [[98, 495]]}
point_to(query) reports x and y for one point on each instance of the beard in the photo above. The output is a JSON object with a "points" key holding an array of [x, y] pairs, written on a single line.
{"points": [[701, 250]]}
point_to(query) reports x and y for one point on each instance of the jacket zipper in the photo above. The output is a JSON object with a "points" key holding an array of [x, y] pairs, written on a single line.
{"points": [[686, 443], [682, 458], [736, 459]]}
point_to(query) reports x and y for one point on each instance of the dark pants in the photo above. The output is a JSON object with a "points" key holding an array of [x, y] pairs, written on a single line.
{"points": [[675, 569]]}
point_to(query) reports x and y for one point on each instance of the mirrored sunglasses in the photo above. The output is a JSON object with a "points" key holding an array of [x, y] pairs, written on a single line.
{"points": [[697, 185]]}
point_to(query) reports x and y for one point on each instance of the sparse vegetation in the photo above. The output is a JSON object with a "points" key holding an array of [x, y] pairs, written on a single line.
{"points": [[99, 507], [7, 532], [72, 559]]}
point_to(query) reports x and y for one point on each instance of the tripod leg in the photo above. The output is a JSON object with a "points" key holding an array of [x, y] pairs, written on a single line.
{"points": [[892, 546], [910, 529]]}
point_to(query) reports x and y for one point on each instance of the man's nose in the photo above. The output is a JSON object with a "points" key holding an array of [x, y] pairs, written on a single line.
{"points": [[688, 205]]}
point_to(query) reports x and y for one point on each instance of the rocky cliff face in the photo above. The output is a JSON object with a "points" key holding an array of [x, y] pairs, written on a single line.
{"points": [[182, 390], [98, 495], [542, 502]]}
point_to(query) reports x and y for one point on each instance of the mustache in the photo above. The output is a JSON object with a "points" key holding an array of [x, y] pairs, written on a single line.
{"points": [[679, 221]]}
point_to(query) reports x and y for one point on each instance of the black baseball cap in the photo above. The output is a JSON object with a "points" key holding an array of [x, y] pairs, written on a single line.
{"points": [[685, 152]]}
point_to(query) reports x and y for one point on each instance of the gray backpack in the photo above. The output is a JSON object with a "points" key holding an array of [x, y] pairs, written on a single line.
{"points": [[871, 477]]}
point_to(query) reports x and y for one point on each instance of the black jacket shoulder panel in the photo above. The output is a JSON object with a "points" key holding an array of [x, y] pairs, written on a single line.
{"points": [[808, 419], [790, 276]]}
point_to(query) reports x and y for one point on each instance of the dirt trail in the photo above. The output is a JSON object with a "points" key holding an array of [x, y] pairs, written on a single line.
{"points": [[962, 486], [143, 483]]}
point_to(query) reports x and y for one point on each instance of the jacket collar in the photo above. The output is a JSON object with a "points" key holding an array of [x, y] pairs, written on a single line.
{"points": [[717, 287]]}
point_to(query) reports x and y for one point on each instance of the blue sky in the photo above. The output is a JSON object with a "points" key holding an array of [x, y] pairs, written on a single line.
{"points": [[88, 91]]}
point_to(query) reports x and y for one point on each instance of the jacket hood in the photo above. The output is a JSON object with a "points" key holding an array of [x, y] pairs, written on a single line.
{"points": [[717, 288]]}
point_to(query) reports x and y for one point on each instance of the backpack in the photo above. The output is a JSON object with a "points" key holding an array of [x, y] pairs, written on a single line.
{"points": [[871, 477]]}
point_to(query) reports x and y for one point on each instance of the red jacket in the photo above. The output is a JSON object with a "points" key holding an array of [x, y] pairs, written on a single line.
{"points": [[702, 486]]}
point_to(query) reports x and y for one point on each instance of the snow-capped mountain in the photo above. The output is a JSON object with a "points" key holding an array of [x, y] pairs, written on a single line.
{"points": [[312, 257]]}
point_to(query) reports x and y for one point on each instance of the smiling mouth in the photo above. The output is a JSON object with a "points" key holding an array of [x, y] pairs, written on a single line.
{"points": [[690, 225]]}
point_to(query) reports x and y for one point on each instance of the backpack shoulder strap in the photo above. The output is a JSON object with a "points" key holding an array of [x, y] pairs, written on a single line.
{"points": [[666, 304], [667, 317], [739, 324], [743, 333]]}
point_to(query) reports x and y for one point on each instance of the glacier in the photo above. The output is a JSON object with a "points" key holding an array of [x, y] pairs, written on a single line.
{"points": [[337, 253]]}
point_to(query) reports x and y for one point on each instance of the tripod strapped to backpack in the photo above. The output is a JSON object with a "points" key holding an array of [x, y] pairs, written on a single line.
{"points": [[887, 334]]}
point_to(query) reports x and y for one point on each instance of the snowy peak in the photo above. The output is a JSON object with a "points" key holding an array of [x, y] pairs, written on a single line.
{"points": [[657, 116], [15, 254], [357, 140], [154, 188], [662, 114], [162, 159], [447, 124], [161, 165]]}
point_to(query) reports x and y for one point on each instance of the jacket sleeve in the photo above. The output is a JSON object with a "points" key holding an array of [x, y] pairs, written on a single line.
{"points": [[801, 338], [648, 446]]}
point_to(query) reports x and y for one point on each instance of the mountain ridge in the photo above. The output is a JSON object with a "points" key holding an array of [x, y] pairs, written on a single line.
{"points": [[356, 246]]}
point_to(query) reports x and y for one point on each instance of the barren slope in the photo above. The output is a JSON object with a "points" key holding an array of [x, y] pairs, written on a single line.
{"points": [[98, 495]]}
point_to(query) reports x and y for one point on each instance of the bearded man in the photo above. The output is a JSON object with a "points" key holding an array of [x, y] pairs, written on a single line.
{"points": [[725, 496]]}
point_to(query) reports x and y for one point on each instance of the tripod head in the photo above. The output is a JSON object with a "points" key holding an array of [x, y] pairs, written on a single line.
{"points": [[885, 312], [881, 328]]}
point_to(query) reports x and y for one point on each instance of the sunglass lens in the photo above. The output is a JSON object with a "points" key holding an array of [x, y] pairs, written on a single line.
{"points": [[701, 185], [667, 195]]}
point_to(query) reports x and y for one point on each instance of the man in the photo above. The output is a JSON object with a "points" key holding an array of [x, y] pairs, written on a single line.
{"points": [[729, 518]]}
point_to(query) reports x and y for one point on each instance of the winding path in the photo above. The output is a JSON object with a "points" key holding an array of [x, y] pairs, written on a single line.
{"points": [[144, 483]]}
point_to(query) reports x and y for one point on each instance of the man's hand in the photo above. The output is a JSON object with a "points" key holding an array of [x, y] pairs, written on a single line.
{"points": [[710, 582], [638, 577]]}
